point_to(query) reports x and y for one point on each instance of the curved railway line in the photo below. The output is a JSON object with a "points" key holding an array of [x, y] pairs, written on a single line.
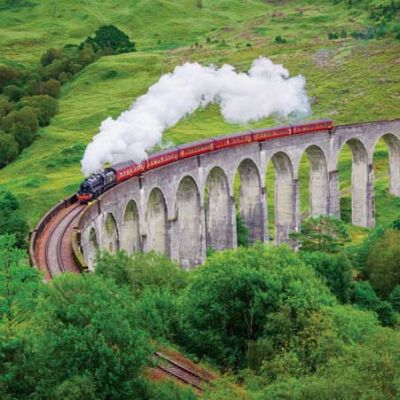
{"points": [[51, 251]]}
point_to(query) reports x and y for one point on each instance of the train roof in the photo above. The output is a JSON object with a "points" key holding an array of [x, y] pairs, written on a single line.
{"points": [[162, 152], [232, 135], [319, 121], [271, 128], [196, 143], [123, 165]]}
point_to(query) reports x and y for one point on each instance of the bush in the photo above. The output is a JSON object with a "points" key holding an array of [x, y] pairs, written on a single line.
{"points": [[364, 296], [110, 37], [140, 271], [8, 75], [239, 295], [324, 233], [383, 263], [280, 39], [242, 232], [45, 107], [50, 87], [11, 219], [8, 149], [13, 92], [25, 117], [335, 271]]}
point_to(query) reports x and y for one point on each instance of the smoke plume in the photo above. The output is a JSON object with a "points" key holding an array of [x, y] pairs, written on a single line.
{"points": [[266, 89]]}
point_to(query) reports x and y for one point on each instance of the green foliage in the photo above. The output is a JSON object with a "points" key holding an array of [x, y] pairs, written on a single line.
{"points": [[86, 327], [8, 148], [280, 39], [364, 297], [394, 298], [11, 219], [110, 39], [140, 271], [383, 263], [241, 231], [45, 107], [324, 233], [13, 92], [18, 282], [8, 75], [50, 87], [334, 269], [239, 295]]}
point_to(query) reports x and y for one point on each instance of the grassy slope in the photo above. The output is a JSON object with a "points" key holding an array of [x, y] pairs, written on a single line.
{"points": [[348, 80]]}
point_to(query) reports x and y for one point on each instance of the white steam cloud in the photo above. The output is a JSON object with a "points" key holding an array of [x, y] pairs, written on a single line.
{"points": [[266, 89]]}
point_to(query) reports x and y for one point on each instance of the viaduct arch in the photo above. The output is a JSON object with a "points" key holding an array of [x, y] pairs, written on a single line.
{"points": [[183, 208]]}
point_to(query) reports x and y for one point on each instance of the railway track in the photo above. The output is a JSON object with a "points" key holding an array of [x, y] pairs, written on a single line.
{"points": [[169, 367], [53, 250]]}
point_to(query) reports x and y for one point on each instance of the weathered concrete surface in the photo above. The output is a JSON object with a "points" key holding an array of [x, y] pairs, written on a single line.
{"points": [[183, 208]]}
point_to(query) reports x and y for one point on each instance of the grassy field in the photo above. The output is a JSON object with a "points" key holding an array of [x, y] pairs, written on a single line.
{"points": [[348, 80]]}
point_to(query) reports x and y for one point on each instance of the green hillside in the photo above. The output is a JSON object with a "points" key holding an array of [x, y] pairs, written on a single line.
{"points": [[348, 79]]}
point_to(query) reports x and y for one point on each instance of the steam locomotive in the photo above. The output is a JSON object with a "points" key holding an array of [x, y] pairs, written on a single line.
{"points": [[98, 183]]}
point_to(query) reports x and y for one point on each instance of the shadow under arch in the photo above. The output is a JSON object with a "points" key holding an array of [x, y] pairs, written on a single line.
{"points": [[157, 227], [251, 204], [130, 233], [220, 217], [393, 144], [285, 200], [111, 234], [189, 223], [359, 182], [318, 180], [93, 248]]}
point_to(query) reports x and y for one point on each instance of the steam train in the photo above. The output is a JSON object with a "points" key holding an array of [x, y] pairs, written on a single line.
{"points": [[98, 183]]}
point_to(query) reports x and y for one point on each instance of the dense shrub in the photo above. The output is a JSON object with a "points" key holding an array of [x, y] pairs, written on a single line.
{"points": [[334, 269], [45, 107], [8, 148], [11, 218], [238, 296], [142, 271], [109, 38], [383, 263], [241, 231], [324, 233], [364, 297]]}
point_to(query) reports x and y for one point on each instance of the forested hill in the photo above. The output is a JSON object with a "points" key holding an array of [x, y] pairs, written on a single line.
{"points": [[327, 41]]}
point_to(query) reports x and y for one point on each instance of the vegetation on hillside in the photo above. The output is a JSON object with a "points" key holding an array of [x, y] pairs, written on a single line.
{"points": [[279, 323], [27, 98]]}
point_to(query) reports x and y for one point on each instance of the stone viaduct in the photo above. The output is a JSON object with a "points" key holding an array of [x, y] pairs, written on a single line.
{"points": [[183, 208]]}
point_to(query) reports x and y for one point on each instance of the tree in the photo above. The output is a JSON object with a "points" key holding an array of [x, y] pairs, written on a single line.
{"points": [[45, 107], [240, 295], [5, 107], [140, 271], [335, 270], [11, 219], [8, 149], [383, 263], [324, 233], [49, 56], [84, 332], [25, 116], [8, 75], [13, 92], [18, 283], [50, 87], [364, 296], [394, 298], [110, 37], [242, 232]]}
